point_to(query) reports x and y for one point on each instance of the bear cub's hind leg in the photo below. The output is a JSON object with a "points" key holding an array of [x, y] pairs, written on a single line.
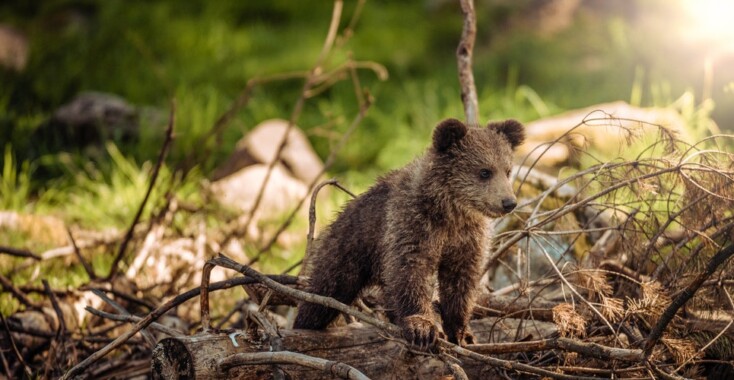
{"points": [[343, 288]]}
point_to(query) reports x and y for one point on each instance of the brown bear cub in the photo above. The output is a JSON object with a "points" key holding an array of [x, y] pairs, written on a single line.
{"points": [[425, 222]]}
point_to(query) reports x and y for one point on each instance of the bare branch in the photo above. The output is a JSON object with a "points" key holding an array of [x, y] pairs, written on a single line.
{"points": [[586, 348], [133, 319], [87, 268], [19, 252], [6, 284], [342, 370], [17, 353], [226, 262], [327, 164], [57, 309], [298, 108], [154, 176], [144, 332], [657, 331], [155, 314], [464, 59]]}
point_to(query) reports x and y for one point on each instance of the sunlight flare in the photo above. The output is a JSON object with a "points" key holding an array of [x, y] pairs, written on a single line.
{"points": [[712, 19]]}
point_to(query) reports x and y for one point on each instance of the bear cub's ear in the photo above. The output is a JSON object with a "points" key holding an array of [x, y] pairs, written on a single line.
{"points": [[448, 133], [512, 129]]}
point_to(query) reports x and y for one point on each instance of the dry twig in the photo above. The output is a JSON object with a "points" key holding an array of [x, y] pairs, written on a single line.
{"points": [[19, 252], [17, 353], [154, 176], [284, 357], [688, 293], [298, 108], [157, 313]]}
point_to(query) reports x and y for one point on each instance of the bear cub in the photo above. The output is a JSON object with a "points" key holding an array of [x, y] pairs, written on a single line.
{"points": [[427, 222]]}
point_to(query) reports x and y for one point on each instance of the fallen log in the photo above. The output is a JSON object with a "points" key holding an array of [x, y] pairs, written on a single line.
{"points": [[366, 349]]}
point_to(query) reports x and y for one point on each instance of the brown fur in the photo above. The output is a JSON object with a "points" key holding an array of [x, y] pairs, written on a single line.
{"points": [[425, 222]]}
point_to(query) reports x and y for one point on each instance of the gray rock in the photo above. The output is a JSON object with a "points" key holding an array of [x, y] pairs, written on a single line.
{"points": [[240, 190], [261, 145], [110, 113]]}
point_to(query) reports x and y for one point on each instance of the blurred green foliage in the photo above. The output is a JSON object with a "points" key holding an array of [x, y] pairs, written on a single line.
{"points": [[202, 53]]}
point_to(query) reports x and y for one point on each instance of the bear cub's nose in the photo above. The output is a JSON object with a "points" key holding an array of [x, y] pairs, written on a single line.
{"points": [[508, 204]]}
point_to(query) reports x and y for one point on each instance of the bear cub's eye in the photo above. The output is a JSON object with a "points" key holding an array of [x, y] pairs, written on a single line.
{"points": [[485, 174], [508, 173]]}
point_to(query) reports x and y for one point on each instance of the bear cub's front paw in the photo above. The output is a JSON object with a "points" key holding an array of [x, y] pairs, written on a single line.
{"points": [[420, 330], [463, 337]]}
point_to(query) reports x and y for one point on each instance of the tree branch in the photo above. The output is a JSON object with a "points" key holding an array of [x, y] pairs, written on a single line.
{"points": [[657, 331], [17, 252], [342, 370], [585, 348], [464, 59], [154, 176], [155, 314]]}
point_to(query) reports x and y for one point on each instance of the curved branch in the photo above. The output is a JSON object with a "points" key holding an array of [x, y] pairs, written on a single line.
{"points": [[312, 208], [342, 370]]}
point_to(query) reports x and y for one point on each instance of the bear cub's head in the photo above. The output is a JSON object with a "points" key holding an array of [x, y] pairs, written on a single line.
{"points": [[475, 163]]}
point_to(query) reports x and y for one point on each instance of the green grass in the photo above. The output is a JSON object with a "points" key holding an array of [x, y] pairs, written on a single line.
{"points": [[15, 183]]}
